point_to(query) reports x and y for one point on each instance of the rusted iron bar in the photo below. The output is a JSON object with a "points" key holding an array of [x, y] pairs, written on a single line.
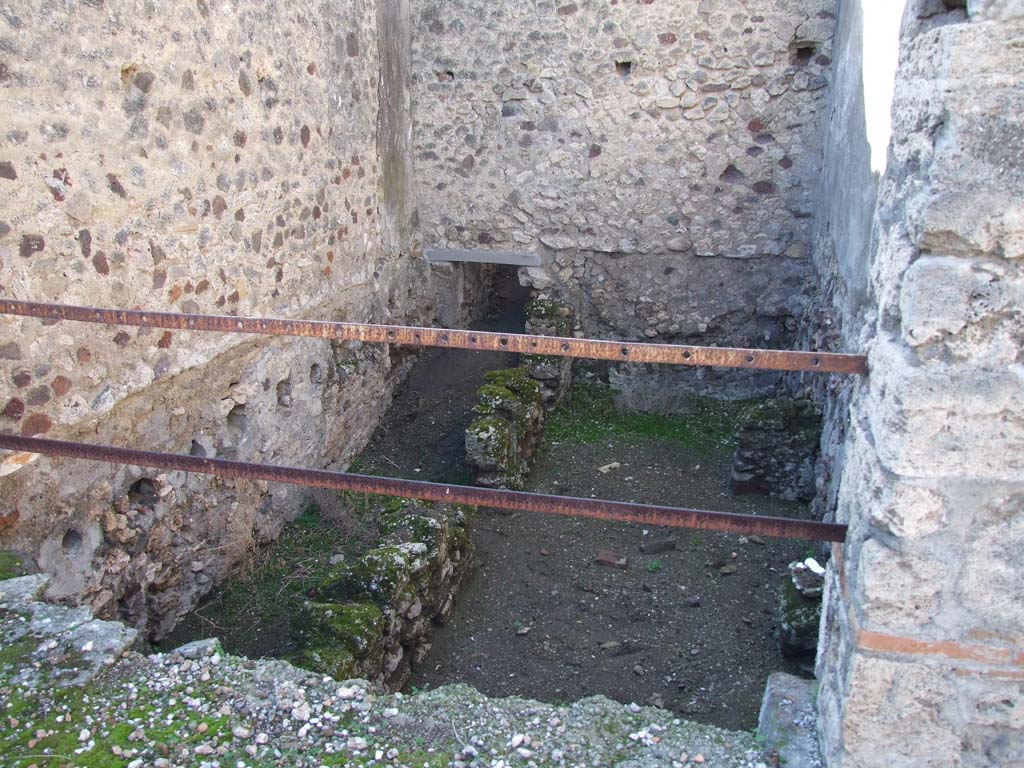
{"points": [[644, 514], [625, 351]]}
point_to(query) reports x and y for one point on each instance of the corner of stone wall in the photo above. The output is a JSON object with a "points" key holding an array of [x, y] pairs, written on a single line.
{"points": [[920, 660]]}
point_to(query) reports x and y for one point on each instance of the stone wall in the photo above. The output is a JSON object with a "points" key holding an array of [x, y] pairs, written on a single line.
{"points": [[662, 157], [373, 618], [510, 418], [920, 659], [244, 157]]}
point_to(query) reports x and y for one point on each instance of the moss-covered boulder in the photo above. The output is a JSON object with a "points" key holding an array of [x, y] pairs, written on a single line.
{"points": [[371, 617], [499, 443], [776, 449]]}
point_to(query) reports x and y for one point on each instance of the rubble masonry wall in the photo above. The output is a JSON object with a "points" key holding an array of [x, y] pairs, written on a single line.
{"points": [[662, 157], [231, 158]]}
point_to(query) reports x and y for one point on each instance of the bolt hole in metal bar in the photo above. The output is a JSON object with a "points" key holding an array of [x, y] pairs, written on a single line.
{"points": [[643, 514], [595, 349]]}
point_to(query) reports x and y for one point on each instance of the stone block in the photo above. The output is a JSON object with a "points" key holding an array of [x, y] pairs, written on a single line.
{"points": [[895, 592], [914, 714], [995, 10], [907, 508], [944, 297], [989, 585], [970, 223], [938, 419], [787, 720]]}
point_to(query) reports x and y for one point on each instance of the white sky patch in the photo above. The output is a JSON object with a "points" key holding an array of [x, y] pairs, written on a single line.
{"points": [[881, 57]]}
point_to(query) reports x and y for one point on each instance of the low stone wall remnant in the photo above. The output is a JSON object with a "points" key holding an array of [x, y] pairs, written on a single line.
{"points": [[545, 317], [499, 443], [776, 448], [372, 618]]}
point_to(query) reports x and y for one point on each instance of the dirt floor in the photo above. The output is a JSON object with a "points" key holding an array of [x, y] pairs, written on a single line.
{"points": [[423, 434], [681, 629], [690, 628]]}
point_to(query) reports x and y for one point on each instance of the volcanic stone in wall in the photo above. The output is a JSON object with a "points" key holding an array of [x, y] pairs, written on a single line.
{"points": [[500, 443], [545, 317], [372, 618], [776, 448]]}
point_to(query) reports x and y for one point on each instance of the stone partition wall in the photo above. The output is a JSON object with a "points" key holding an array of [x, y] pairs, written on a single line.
{"points": [[662, 156], [231, 158], [921, 661]]}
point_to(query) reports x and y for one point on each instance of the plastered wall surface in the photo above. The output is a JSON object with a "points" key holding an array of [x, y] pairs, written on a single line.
{"points": [[227, 158]]}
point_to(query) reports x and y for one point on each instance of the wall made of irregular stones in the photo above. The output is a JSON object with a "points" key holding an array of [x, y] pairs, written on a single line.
{"points": [[920, 662], [231, 158], [661, 156]]}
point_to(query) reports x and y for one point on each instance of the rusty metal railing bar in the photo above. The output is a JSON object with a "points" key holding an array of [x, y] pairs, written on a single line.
{"points": [[595, 349], [644, 514]]}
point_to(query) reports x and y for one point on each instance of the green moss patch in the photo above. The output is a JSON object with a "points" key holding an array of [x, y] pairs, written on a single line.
{"points": [[356, 627], [589, 414], [252, 613], [799, 617], [511, 393], [555, 318], [377, 576], [517, 380], [12, 565]]}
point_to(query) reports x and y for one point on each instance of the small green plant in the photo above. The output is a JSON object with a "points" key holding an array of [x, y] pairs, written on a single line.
{"points": [[654, 566]]}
